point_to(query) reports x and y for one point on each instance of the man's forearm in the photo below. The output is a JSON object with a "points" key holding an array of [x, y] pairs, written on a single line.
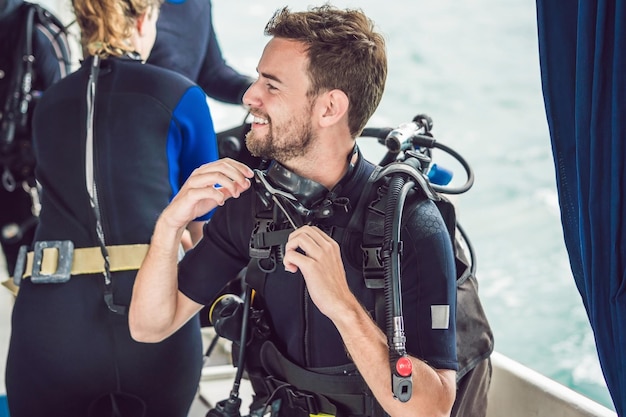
{"points": [[157, 308], [155, 292], [433, 390]]}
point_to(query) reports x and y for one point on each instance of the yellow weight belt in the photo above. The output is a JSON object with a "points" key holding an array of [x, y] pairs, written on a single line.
{"points": [[85, 261]]}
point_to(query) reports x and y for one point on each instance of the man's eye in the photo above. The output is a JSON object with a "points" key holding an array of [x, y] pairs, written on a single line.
{"points": [[270, 87]]}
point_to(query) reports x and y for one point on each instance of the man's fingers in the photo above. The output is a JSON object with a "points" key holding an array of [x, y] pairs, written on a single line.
{"points": [[310, 239], [235, 171], [225, 173]]}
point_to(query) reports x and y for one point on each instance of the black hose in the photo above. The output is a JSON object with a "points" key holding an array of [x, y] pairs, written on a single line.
{"points": [[243, 341], [399, 188], [400, 364], [390, 259], [468, 170]]}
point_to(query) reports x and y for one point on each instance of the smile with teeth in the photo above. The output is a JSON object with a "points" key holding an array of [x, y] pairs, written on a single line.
{"points": [[259, 120]]}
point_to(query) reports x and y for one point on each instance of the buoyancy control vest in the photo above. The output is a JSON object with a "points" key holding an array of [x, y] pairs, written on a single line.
{"points": [[341, 391]]}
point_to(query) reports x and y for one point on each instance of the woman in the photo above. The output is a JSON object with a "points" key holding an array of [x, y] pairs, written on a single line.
{"points": [[114, 141]]}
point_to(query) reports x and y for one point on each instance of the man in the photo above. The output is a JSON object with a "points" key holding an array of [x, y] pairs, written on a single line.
{"points": [[321, 77]]}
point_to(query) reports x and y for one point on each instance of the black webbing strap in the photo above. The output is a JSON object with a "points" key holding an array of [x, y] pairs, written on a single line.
{"points": [[255, 276], [373, 269], [262, 257], [342, 394], [269, 239], [369, 220]]}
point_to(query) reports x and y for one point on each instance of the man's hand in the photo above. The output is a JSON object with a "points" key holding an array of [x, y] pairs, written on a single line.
{"points": [[207, 187], [318, 257]]}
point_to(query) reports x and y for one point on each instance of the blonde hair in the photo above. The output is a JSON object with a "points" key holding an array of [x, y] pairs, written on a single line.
{"points": [[107, 25]]}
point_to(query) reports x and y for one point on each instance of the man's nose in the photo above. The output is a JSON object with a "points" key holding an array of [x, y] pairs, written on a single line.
{"points": [[250, 97]]}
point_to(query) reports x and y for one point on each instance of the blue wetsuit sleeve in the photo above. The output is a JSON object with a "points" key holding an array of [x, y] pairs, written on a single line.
{"points": [[191, 139]]}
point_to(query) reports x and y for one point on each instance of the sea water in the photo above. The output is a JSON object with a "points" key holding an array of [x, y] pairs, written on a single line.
{"points": [[473, 66]]}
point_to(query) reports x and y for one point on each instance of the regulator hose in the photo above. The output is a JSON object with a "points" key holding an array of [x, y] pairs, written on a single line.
{"points": [[400, 185]]}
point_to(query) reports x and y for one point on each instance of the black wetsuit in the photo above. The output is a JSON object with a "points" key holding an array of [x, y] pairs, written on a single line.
{"points": [[302, 333], [186, 43], [152, 128]]}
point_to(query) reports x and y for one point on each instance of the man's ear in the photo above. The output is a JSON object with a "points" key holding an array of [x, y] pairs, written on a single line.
{"points": [[333, 107]]}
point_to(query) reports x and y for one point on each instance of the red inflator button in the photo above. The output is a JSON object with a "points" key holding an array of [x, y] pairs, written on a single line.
{"points": [[404, 366]]}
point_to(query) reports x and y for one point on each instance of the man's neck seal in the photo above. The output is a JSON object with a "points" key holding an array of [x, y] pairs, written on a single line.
{"points": [[306, 191], [301, 199]]}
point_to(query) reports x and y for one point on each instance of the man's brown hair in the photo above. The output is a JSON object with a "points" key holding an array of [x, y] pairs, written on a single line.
{"points": [[344, 53]]}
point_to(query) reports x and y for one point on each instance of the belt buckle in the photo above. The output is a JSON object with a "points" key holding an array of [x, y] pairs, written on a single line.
{"points": [[64, 263]]}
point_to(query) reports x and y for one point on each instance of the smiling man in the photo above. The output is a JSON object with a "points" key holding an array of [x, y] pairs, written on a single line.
{"points": [[321, 77]]}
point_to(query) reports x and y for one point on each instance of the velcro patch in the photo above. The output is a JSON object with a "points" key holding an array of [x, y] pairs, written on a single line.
{"points": [[440, 316]]}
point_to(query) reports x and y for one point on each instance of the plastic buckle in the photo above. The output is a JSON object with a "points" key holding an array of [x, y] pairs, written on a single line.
{"points": [[373, 269], [63, 272], [257, 247], [303, 401]]}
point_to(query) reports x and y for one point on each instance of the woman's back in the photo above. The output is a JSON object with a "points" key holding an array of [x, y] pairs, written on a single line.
{"points": [[151, 130]]}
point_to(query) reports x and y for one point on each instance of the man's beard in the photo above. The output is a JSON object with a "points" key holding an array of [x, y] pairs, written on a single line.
{"points": [[282, 146]]}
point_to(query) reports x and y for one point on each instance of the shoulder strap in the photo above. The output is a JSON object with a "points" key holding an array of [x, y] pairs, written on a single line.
{"points": [[263, 246], [365, 198], [57, 34], [372, 216], [368, 219]]}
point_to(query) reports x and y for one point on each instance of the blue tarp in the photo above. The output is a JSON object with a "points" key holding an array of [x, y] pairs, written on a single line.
{"points": [[582, 49]]}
